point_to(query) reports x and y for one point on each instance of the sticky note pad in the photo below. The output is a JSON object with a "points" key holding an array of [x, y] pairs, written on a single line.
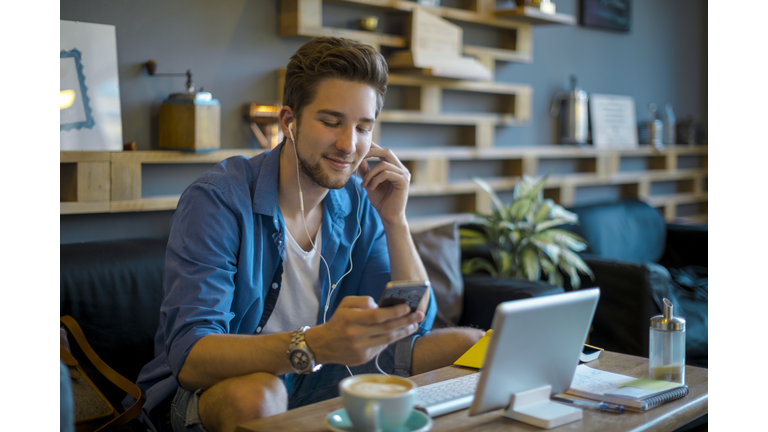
{"points": [[474, 356], [649, 384]]}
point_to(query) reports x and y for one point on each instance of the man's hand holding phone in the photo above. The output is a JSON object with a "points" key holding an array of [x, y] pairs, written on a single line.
{"points": [[359, 329], [406, 292]]}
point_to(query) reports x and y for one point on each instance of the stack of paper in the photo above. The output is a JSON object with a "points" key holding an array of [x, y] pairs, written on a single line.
{"points": [[635, 394]]}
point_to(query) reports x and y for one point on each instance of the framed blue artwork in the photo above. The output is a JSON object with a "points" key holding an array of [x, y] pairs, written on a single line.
{"points": [[89, 91], [606, 14], [74, 104]]}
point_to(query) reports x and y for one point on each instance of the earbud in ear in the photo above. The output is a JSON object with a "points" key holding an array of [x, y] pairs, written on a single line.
{"points": [[290, 131]]}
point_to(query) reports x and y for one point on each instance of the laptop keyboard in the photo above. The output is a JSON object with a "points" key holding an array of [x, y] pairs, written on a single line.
{"points": [[447, 396]]}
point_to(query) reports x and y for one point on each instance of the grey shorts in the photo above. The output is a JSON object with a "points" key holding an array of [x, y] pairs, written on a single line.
{"points": [[302, 389]]}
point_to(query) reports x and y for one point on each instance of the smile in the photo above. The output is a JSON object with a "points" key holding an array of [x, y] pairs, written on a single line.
{"points": [[339, 164]]}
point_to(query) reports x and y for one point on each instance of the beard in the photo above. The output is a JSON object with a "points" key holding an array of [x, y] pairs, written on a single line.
{"points": [[316, 173]]}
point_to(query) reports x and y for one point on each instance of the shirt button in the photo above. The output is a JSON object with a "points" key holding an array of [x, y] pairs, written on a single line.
{"points": [[258, 329], [275, 285]]}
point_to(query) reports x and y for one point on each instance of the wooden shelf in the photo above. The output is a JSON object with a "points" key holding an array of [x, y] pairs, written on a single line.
{"points": [[467, 119], [430, 170], [117, 187], [535, 16], [304, 18], [370, 38], [484, 13], [498, 54]]}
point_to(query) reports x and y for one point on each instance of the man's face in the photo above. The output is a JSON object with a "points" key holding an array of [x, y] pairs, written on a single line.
{"points": [[334, 134]]}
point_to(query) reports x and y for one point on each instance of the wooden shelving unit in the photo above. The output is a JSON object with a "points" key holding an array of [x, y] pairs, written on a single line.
{"points": [[304, 18], [535, 16], [110, 182], [423, 99]]}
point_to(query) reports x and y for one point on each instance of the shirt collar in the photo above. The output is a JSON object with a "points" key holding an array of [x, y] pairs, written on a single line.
{"points": [[337, 202]]}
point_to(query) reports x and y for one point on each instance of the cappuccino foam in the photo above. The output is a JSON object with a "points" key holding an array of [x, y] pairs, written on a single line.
{"points": [[377, 389]]}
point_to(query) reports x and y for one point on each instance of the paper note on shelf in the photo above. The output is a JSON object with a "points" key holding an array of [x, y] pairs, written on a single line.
{"points": [[474, 356]]}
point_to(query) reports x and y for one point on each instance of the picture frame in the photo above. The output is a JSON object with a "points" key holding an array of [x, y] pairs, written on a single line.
{"points": [[90, 116], [606, 14], [75, 105], [614, 123]]}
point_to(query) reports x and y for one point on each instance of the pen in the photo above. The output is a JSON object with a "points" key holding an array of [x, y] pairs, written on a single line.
{"points": [[588, 404]]}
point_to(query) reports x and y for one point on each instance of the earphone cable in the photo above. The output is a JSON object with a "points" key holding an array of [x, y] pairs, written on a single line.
{"points": [[331, 287]]}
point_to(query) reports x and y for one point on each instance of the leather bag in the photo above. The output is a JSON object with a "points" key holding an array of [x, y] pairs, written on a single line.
{"points": [[93, 411]]}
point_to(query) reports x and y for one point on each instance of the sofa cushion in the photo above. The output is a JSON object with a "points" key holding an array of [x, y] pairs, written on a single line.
{"points": [[628, 230], [483, 293], [440, 252], [113, 289]]}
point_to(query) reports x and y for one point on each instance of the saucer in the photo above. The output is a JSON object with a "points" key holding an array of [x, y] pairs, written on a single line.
{"points": [[338, 421]]}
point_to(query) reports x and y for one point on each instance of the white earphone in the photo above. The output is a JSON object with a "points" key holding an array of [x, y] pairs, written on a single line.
{"points": [[331, 287]]}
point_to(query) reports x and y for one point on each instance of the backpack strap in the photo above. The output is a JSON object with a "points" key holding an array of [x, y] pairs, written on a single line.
{"points": [[104, 369]]}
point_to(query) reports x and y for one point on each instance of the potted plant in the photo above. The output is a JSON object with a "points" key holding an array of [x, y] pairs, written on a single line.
{"points": [[523, 238]]}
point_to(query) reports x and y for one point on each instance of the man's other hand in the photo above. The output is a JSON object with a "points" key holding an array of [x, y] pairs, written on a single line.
{"points": [[387, 184], [359, 330]]}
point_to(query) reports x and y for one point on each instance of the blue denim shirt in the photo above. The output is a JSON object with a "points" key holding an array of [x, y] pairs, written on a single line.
{"points": [[224, 256]]}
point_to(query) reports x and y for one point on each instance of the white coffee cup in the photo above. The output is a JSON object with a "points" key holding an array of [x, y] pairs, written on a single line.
{"points": [[377, 402]]}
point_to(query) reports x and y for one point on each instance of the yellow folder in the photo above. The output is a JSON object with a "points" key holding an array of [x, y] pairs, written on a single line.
{"points": [[474, 356]]}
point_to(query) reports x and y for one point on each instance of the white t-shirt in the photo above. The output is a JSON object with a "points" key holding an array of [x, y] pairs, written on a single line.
{"points": [[298, 302]]}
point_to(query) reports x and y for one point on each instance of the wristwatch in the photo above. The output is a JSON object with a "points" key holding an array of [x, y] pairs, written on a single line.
{"points": [[301, 358]]}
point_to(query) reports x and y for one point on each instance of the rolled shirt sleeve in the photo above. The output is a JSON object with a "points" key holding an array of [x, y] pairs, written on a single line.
{"points": [[201, 263]]}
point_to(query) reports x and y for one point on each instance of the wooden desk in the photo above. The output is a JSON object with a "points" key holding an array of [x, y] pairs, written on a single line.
{"points": [[667, 417]]}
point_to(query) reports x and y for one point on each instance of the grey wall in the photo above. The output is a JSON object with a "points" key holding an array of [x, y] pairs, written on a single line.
{"points": [[233, 50]]}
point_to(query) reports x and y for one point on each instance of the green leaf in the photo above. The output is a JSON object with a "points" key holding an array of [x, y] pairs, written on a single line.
{"points": [[551, 223], [478, 263], [494, 198], [529, 187], [572, 272], [547, 265], [576, 261], [506, 262], [556, 279], [564, 238], [469, 233], [466, 243], [508, 225], [544, 209], [551, 249], [520, 208], [561, 213], [531, 264]]}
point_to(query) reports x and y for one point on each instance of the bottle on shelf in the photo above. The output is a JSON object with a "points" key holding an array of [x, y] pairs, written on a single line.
{"points": [[670, 126], [655, 128]]}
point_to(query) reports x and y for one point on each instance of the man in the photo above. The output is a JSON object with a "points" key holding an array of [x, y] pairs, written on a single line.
{"points": [[284, 254]]}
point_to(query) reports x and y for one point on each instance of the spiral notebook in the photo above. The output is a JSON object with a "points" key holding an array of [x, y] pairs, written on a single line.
{"points": [[634, 394]]}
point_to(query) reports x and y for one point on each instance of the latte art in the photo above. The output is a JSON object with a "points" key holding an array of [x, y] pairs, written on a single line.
{"points": [[377, 389]]}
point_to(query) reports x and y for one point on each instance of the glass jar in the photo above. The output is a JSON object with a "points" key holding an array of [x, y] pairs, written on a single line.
{"points": [[667, 346]]}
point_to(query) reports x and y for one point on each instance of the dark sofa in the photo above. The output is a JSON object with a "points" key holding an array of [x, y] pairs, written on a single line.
{"points": [[638, 260]]}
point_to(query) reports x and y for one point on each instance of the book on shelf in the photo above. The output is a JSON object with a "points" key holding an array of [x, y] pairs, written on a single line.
{"points": [[633, 393]]}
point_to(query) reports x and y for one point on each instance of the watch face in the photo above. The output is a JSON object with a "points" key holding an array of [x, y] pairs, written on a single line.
{"points": [[299, 360]]}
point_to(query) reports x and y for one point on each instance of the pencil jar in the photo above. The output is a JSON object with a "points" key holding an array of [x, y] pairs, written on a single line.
{"points": [[667, 346]]}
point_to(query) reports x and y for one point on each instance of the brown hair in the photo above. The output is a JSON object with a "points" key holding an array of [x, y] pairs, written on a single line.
{"points": [[330, 57]]}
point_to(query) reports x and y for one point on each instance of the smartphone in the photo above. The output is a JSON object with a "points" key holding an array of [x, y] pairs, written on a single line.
{"points": [[408, 292]]}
